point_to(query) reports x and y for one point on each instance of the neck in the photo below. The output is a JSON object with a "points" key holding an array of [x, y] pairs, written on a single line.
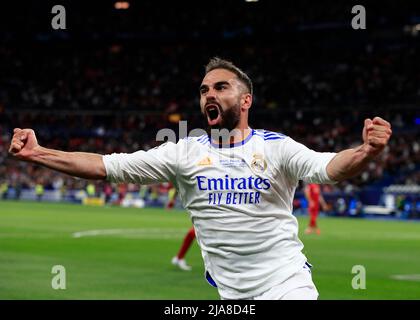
{"points": [[240, 133]]}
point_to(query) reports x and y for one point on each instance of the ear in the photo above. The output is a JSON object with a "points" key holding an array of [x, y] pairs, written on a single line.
{"points": [[246, 101]]}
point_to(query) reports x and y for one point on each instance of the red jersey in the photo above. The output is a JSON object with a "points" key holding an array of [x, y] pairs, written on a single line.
{"points": [[314, 191]]}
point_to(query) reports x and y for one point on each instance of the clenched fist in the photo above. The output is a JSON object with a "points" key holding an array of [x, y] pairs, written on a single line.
{"points": [[376, 134], [24, 144]]}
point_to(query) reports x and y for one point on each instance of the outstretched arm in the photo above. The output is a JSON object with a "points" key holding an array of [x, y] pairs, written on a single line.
{"points": [[25, 147], [351, 162]]}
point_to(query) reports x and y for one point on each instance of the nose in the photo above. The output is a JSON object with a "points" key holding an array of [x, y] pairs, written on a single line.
{"points": [[210, 94], [208, 97]]}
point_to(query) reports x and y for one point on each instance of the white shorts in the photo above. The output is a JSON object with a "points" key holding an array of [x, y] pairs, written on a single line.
{"points": [[298, 287]]}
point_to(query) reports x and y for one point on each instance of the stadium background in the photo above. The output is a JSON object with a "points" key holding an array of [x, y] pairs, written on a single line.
{"points": [[113, 78]]}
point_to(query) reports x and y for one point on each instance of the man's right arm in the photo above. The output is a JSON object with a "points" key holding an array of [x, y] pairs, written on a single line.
{"points": [[24, 146]]}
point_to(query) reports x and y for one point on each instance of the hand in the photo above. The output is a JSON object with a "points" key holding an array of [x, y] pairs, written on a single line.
{"points": [[24, 144], [376, 134]]}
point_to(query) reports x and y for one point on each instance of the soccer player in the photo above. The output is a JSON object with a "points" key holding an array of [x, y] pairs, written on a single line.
{"points": [[238, 194], [179, 259], [314, 197], [172, 193]]}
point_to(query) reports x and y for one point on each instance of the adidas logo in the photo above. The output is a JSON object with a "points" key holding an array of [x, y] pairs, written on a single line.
{"points": [[205, 162]]}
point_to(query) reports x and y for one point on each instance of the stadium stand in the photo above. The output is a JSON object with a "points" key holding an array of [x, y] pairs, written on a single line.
{"points": [[113, 79]]}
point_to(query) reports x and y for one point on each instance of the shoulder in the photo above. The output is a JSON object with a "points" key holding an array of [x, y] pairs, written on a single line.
{"points": [[192, 140], [266, 135], [183, 143]]}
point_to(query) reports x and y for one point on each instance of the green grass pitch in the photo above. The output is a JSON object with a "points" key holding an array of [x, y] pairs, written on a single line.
{"points": [[129, 258]]}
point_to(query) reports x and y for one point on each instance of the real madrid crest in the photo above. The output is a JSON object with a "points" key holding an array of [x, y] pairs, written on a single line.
{"points": [[258, 164]]}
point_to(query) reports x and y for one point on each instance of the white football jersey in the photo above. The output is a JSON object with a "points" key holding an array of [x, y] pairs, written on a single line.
{"points": [[240, 200]]}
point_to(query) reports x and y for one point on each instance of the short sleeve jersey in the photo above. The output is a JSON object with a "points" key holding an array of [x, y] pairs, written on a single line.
{"points": [[239, 199]]}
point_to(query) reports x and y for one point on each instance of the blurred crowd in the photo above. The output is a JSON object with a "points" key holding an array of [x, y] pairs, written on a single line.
{"points": [[321, 131], [111, 81], [164, 78]]}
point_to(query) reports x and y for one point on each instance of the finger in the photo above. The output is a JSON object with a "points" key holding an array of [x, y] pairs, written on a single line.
{"points": [[22, 135], [368, 125], [16, 130], [17, 142], [380, 135], [14, 148], [377, 142], [380, 121], [27, 132], [365, 129], [381, 128]]}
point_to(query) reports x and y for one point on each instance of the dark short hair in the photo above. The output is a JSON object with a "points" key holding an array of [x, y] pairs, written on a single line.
{"points": [[219, 63]]}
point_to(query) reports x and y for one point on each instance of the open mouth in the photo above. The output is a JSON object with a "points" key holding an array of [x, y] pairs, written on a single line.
{"points": [[213, 114]]}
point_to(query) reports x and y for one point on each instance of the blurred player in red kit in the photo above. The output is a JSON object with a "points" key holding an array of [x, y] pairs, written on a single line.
{"points": [[179, 260], [314, 197], [172, 193]]}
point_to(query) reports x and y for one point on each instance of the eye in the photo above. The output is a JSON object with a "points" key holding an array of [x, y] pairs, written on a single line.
{"points": [[203, 90]]}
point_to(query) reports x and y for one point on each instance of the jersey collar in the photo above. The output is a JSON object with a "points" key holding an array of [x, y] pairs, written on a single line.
{"points": [[233, 145]]}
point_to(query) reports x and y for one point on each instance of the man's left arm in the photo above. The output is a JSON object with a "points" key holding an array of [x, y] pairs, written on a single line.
{"points": [[351, 162]]}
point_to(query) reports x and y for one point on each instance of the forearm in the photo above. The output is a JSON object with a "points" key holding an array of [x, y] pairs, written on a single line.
{"points": [[78, 164], [348, 163]]}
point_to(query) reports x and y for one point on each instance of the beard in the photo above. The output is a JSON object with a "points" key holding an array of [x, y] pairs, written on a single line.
{"points": [[229, 119]]}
